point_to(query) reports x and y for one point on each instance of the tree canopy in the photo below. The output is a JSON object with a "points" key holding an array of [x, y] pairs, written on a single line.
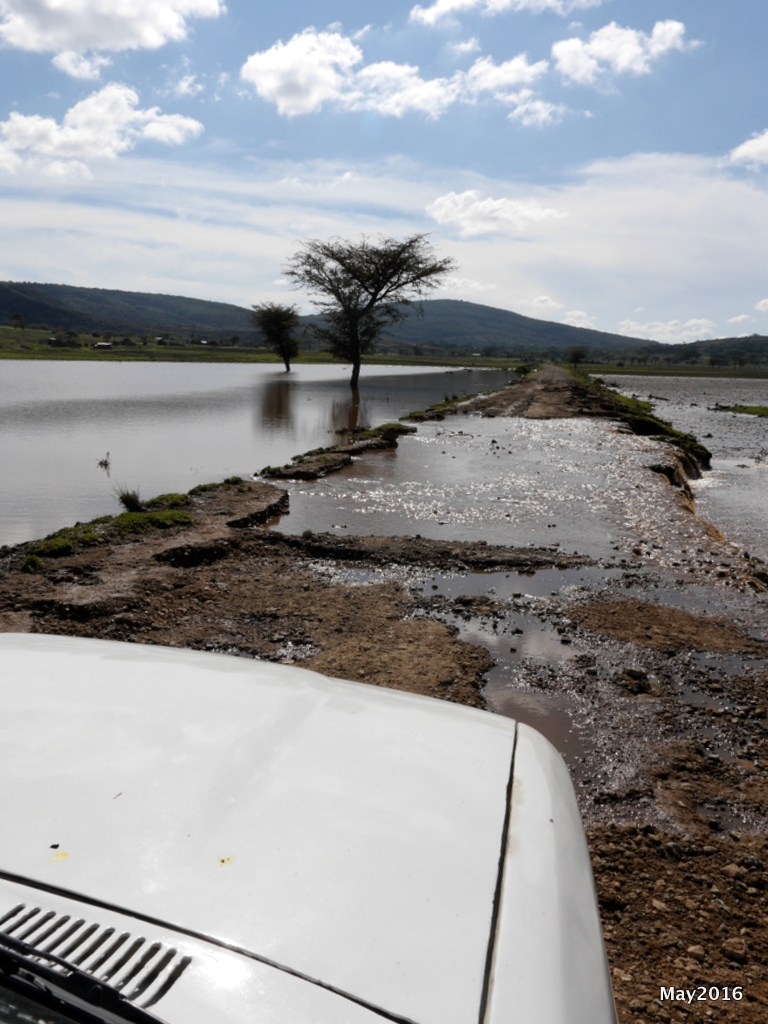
{"points": [[360, 288], [277, 325]]}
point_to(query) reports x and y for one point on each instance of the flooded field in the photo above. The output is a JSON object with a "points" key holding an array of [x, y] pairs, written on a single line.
{"points": [[167, 427]]}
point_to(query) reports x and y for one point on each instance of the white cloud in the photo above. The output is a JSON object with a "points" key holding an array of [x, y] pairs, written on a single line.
{"points": [[302, 74], [78, 66], [76, 26], [739, 319], [454, 284], [578, 318], [762, 305], [476, 216], [536, 113], [314, 68], [671, 332], [617, 50], [443, 9], [99, 127], [545, 302], [753, 151], [466, 46], [679, 234]]}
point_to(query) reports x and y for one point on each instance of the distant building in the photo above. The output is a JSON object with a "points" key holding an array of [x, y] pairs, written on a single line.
{"points": [[103, 344]]}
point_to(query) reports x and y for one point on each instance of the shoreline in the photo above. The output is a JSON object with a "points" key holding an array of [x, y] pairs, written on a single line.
{"points": [[674, 787]]}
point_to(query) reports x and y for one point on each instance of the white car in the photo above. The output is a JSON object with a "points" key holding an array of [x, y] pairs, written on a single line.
{"points": [[197, 838]]}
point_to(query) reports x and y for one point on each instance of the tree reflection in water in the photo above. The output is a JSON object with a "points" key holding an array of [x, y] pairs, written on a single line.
{"points": [[349, 414], [277, 404]]}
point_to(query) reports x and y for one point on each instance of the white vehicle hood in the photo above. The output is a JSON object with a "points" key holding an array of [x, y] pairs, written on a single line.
{"points": [[337, 828]]}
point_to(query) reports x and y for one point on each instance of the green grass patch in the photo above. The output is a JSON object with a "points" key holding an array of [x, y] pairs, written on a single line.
{"points": [[165, 501], [137, 522], [750, 410], [64, 542]]}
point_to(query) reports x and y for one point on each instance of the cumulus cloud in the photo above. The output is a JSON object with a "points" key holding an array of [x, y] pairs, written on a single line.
{"points": [[673, 331], [762, 306], [474, 215], [99, 127], [443, 9], [545, 302], [616, 50], [739, 319], [753, 151], [302, 74], [60, 26], [578, 318], [314, 68], [465, 46], [536, 113], [78, 66]]}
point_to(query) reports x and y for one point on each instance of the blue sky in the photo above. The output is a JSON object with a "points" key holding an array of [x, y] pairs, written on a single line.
{"points": [[596, 162]]}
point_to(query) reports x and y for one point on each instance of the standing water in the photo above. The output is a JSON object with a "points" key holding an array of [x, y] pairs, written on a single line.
{"points": [[734, 495], [170, 426]]}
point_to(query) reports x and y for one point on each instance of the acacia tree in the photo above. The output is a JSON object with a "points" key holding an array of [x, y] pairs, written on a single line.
{"points": [[277, 325], [361, 287], [577, 355]]}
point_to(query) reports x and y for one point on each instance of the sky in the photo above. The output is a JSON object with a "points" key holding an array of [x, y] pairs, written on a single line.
{"points": [[602, 163]]}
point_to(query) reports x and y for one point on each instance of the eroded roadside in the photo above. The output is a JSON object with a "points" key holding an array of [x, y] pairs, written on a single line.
{"points": [[651, 664]]}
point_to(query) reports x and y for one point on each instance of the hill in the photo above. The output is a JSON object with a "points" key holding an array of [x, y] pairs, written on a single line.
{"points": [[447, 326]]}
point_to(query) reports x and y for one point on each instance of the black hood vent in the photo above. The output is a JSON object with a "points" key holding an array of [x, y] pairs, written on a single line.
{"points": [[140, 970]]}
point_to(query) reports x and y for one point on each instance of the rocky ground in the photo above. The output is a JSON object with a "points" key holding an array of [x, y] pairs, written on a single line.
{"points": [[673, 698]]}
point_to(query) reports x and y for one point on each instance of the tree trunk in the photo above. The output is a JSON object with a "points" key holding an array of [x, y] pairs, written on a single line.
{"points": [[354, 348]]}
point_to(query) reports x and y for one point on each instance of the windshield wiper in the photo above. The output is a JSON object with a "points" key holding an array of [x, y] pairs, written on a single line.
{"points": [[74, 989]]}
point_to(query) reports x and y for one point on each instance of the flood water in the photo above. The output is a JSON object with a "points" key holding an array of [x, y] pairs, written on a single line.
{"points": [[734, 495], [576, 484], [168, 427]]}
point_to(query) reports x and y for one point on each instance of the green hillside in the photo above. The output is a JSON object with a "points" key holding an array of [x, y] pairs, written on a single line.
{"points": [[447, 327]]}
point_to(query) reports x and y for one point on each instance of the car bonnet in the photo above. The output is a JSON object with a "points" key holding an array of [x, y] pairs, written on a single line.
{"points": [[348, 832]]}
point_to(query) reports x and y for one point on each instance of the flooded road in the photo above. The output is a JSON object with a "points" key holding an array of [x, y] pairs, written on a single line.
{"points": [[734, 495], [573, 485], [579, 484]]}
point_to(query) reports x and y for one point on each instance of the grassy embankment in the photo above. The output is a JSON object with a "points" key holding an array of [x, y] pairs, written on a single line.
{"points": [[638, 416], [164, 511]]}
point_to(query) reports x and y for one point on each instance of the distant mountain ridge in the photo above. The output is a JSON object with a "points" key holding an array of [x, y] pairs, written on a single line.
{"points": [[447, 326]]}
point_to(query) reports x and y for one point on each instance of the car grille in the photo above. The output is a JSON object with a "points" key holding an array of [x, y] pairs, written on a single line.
{"points": [[141, 970]]}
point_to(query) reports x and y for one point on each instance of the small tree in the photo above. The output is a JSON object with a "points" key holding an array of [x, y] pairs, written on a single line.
{"points": [[277, 325], [18, 320], [577, 355], [361, 287]]}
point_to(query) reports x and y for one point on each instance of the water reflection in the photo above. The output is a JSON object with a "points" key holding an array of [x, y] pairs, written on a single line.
{"points": [[274, 401], [350, 415]]}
